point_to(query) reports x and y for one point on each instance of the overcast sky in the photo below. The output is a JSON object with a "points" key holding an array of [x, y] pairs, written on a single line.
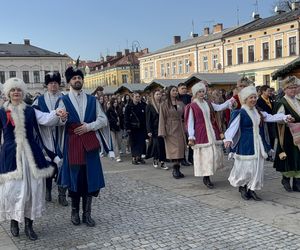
{"points": [[92, 27]]}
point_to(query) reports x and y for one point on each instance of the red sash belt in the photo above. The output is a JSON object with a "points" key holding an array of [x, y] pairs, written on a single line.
{"points": [[80, 144]]}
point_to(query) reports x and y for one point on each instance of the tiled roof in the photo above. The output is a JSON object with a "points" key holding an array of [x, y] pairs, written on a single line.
{"points": [[262, 23], [215, 78], [22, 50], [132, 87], [163, 83], [192, 41], [284, 70]]}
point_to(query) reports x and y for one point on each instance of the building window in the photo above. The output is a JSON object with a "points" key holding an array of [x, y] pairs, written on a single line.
{"points": [[162, 70], [266, 80], [215, 61], [229, 57], [168, 69], [180, 67], [26, 76], [205, 63], [251, 53], [278, 48], [187, 66], [36, 77], [146, 73], [151, 71], [240, 55], [2, 77], [12, 74], [292, 45], [265, 51], [124, 78], [173, 68]]}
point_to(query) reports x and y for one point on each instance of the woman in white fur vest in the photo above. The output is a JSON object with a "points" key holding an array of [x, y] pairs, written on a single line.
{"points": [[23, 166], [204, 132], [246, 136]]}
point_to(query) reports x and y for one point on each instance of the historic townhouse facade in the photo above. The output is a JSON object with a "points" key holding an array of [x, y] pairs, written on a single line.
{"points": [[30, 63], [260, 47], [114, 70], [255, 49], [203, 54]]}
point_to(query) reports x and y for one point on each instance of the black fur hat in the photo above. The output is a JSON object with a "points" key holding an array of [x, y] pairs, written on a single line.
{"points": [[52, 77], [70, 72]]}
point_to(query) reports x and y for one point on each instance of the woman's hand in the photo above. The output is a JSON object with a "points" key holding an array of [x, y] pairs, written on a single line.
{"points": [[62, 114], [191, 142]]}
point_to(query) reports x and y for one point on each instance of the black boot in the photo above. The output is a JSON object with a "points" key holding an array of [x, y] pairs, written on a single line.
{"points": [[62, 196], [75, 211], [48, 189], [296, 184], [253, 195], [286, 183], [181, 175], [87, 209], [29, 230], [244, 193], [207, 182], [14, 228]]}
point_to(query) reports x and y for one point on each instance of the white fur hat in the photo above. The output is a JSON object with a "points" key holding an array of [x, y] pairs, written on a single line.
{"points": [[246, 92], [14, 83], [197, 87]]}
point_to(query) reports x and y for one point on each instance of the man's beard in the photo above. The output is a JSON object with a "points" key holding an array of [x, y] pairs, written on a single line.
{"points": [[77, 85]]}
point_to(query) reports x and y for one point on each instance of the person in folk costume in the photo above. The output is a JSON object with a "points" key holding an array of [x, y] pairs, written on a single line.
{"points": [[23, 166], [171, 128], [81, 170], [46, 103], [287, 158], [204, 133], [246, 136], [265, 103], [135, 125], [152, 119], [240, 84]]}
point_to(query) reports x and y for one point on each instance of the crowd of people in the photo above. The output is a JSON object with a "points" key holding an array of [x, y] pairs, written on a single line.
{"points": [[62, 137]]}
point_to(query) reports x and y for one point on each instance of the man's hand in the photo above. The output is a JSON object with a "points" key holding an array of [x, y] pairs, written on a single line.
{"points": [[62, 114], [227, 144], [81, 130], [150, 134]]}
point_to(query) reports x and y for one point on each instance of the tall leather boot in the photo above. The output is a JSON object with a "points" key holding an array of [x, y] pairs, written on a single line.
{"points": [[14, 228], [75, 211], [29, 230], [181, 175], [87, 209], [62, 196], [286, 183], [296, 184], [48, 189], [175, 171], [244, 193], [207, 182]]}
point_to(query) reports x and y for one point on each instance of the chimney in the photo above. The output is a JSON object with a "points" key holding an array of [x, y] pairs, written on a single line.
{"points": [[218, 27], [296, 5], [195, 35], [108, 57], [119, 54], [206, 31], [256, 16], [145, 51], [176, 39], [126, 52], [26, 42], [9, 42]]}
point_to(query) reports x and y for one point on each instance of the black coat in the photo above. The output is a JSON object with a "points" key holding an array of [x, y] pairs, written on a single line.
{"points": [[114, 118], [152, 119], [186, 98], [135, 114]]}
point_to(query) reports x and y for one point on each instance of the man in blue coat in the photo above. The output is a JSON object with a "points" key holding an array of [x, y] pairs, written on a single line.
{"points": [[81, 171]]}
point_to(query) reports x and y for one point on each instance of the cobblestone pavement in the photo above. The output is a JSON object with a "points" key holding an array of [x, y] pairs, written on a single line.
{"points": [[145, 208]]}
